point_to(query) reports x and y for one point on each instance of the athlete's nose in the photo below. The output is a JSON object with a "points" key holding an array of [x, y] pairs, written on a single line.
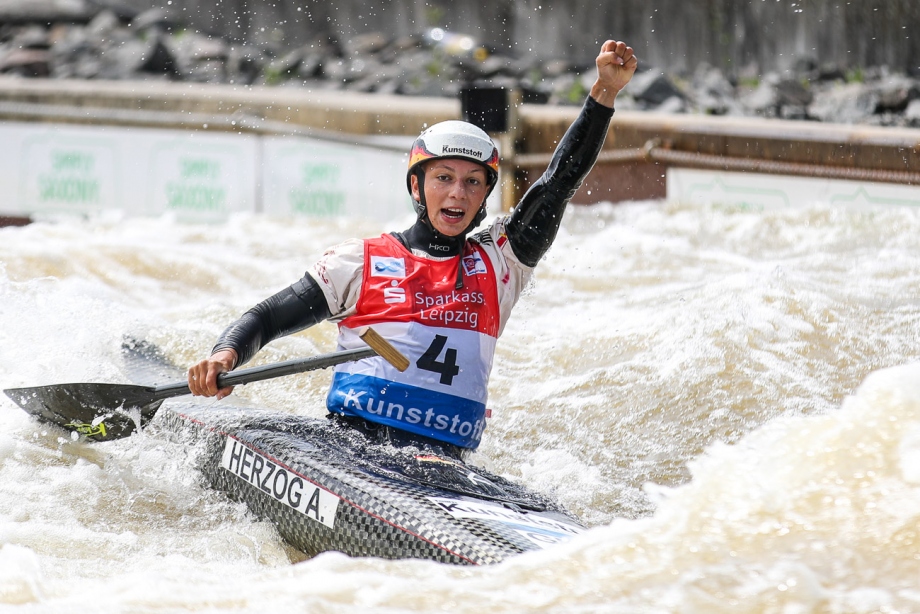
{"points": [[458, 189]]}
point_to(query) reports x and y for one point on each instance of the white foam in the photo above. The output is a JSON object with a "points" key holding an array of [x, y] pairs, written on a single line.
{"points": [[714, 353]]}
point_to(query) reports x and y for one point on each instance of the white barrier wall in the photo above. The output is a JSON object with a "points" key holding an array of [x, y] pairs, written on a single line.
{"points": [[760, 191], [323, 179], [49, 169]]}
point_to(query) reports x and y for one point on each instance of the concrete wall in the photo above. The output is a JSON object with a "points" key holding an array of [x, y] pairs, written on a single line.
{"points": [[738, 35]]}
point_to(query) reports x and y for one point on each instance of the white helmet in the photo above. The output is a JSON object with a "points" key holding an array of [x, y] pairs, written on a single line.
{"points": [[455, 139]]}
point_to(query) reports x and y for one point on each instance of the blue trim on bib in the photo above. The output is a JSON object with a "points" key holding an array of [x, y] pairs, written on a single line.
{"points": [[432, 414]]}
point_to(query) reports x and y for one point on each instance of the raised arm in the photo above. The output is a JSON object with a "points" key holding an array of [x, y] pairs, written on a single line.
{"points": [[532, 226]]}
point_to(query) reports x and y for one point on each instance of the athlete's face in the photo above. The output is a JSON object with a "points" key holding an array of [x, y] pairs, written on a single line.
{"points": [[454, 190]]}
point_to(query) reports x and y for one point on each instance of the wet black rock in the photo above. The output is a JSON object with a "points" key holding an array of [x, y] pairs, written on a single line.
{"points": [[653, 88], [26, 62], [912, 113], [713, 93]]}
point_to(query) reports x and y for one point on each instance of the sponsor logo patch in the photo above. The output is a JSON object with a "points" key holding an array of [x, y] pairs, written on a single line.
{"points": [[465, 151], [276, 481], [87, 430], [394, 294], [384, 266], [538, 529], [473, 265]]}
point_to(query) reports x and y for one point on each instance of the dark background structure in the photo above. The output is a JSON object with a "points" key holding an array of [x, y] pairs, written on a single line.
{"points": [[679, 34], [841, 61]]}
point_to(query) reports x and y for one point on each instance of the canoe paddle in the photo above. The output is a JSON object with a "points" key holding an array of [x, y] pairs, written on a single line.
{"points": [[103, 412]]}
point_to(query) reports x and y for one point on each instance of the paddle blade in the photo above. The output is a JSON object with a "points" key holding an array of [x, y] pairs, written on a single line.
{"points": [[99, 412]]}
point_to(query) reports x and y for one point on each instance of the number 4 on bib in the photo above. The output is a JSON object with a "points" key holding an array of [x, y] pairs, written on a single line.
{"points": [[447, 368]]}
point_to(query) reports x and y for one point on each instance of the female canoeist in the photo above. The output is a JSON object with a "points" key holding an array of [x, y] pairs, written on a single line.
{"points": [[437, 293]]}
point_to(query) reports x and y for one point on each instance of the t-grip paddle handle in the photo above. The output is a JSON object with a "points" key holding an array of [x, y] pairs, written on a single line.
{"points": [[385, 349]]}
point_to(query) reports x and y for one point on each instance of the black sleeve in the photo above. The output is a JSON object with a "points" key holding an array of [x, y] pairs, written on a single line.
{"points": [[295, 308], [532, 226]]}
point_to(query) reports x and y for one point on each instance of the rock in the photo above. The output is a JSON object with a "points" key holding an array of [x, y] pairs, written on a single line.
{"points": [[286, 66], [155, 18], [26, 62], [149, 56], [31, 37], [829, 72], [895, 92], [88, 67], [793, 93], [763, 100], [851, 103], [208, 71], [311, 65], [359, 68], [778, 97], [713, 93], [245, 63], [674, 104], [103, 25], [335, 69], [912, 113], [407, 42], [653, 88], [129, 58], [197, 57], [376, 77], [416, 60], [69, 41], [160, 60], [208, 48]]}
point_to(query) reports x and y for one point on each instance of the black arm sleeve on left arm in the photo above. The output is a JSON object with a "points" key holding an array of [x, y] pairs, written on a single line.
{"points": [[533, 224], [295, 308]]}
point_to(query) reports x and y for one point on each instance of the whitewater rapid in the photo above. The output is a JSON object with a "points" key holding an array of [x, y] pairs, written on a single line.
{"points": [[729, 397]]}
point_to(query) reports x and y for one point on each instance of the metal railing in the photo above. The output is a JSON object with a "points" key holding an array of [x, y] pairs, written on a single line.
{"points": [[236, 122], [654, 151]]}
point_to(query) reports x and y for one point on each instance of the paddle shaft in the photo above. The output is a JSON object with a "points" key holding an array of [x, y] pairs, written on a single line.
{"points": [[264, 372], [102, 412]]}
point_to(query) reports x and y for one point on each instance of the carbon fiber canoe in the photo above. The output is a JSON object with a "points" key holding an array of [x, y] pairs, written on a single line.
{"points": [[326, 487]]}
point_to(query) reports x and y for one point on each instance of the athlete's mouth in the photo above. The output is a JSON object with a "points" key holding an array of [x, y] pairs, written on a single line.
{"points": [[456, 214]]}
